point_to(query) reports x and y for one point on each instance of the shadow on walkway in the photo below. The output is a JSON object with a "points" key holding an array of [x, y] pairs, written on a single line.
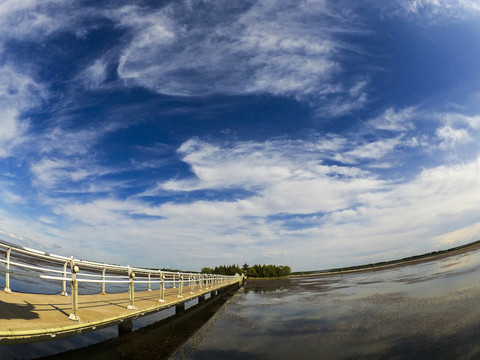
{"points": [[11, 311]]}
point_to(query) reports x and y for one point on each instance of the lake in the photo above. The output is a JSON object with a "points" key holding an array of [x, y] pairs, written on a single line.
{"points": [[428, 310]]}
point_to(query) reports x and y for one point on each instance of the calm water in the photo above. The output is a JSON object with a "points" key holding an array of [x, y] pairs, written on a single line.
{"points": [[429, 310]]}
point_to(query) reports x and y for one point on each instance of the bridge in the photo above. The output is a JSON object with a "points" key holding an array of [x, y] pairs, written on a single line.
{"points": [[64, 296]]}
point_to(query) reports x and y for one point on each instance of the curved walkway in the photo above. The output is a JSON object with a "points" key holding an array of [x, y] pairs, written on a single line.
{"points": [[34, 317]]}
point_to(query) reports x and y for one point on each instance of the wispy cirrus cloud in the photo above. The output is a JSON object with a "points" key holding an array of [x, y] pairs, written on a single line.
{"points": [[94, 75], [66, 161], [375, 150], [441, 7], [55, 173], [186, 49], [257, 164], [395, 120], [31, 18], [450, 137], [18, 92], [455, 134], [431, 11]]}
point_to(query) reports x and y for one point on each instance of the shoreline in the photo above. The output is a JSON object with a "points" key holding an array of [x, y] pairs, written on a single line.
{"points": [[267, 284], [400, 263]]}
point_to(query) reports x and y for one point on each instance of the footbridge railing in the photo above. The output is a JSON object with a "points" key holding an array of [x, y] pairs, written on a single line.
{"points": [[60, 271]]}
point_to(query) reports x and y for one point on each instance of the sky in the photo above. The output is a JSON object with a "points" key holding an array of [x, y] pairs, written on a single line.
{"points": [[188, 133]]}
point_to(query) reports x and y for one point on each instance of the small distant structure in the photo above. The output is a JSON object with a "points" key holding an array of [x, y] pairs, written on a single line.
{"points": [[245, 267]]}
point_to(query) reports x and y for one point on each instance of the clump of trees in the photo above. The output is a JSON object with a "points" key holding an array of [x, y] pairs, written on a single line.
{"points": [[223, 270], [263, 271], [268, 271]]}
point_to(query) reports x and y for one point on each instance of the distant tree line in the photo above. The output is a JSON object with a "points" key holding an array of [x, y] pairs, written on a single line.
{"points": [[171, 270], [265, 271], [268, 271], [223, 270]]}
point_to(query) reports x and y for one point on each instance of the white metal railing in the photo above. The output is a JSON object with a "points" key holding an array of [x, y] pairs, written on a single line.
{"points": [[91, 272]]}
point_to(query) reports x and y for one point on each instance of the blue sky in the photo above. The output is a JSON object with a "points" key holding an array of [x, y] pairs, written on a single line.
{"points": [[197, 133]]}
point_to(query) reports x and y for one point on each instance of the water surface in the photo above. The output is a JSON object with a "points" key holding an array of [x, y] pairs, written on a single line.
{"points": [[427, 310]]}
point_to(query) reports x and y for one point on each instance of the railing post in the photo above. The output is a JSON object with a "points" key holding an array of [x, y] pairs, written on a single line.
{"points": [[7, 273], [74, 290], [174, 281], [64, 282], [192, 284], [200, 281], [180, 286], [131, 290], [103, 282], [149, 286], [162, 288]]}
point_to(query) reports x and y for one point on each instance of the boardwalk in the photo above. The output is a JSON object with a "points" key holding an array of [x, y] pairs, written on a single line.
{"points": [[32, 317], [28, 317]]}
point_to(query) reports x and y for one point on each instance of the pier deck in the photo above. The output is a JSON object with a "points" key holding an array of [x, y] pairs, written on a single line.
{"points": [[34, 317]]}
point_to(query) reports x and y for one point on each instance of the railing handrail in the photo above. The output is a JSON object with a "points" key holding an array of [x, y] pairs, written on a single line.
{"points": [[123, 274], [112, 268], [93, 265]]}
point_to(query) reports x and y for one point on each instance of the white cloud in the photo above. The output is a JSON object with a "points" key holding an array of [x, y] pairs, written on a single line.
{"points": [[66, 143], [187, 49], [461, 236], [94, 75], [431, 11], [393, 120], [450, 137], [66, 159], [12, 131], [9, 197], [18, 92], [374, 150], [441, 7], [59, 174], [33, 19], [49, 172], [254, 165], [459, 119]]}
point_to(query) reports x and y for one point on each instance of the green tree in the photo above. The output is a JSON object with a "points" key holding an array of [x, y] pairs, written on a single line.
{"points": [[266, 271], [251, 272], [207, 270]]}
